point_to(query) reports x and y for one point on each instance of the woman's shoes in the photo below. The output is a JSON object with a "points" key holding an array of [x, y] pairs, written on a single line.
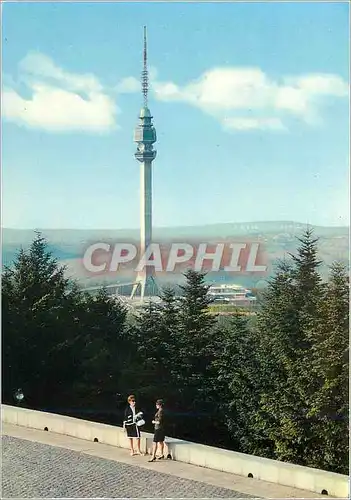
{"points": [[153, 459], [133, 453]]}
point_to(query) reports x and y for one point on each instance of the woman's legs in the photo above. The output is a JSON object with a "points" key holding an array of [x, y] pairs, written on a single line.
{"points": [[162, 446], [154, 450], [153, 454], [138, 446], [131, 444]]}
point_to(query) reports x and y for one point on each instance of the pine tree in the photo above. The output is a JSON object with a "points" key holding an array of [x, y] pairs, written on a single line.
{"points": [[197, 346], [277, 330], [39, 336], [238, 385], [155, 336], [103, 355], [169, 328], [197, 338], [145, 368], [329, 376], [287, 325], [194, 304], [308, 285]]}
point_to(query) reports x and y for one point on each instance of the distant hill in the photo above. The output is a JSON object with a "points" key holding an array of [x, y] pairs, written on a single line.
{"points": [[74, 236], [277, 238]]}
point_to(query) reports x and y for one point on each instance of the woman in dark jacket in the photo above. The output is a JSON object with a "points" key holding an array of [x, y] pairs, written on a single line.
{"points": [[159, 434], [133, 417]]}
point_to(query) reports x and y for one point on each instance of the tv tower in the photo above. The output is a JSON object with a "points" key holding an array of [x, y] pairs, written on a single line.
{"points": [[145, 137]]}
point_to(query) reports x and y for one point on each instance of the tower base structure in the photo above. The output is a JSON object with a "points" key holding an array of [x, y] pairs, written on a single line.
{"points": [[145, 288]]}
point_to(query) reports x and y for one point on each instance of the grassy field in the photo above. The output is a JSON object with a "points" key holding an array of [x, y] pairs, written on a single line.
{"points": [[230, 310]]}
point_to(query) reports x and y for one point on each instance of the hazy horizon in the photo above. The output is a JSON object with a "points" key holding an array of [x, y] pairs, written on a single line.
{"points": [[170, 226]]}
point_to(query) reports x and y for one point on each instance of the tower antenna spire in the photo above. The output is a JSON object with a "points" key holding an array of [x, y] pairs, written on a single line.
{"points": [[145, 73]]}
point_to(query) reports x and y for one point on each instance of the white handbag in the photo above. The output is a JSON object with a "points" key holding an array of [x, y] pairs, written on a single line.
{"points": [[140, 422]]}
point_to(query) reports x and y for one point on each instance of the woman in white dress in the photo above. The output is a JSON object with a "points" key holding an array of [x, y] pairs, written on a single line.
{"points": [[133, 420]]}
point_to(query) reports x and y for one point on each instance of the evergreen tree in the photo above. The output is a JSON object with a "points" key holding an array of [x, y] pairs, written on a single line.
{"points": [[175, 346], [169, 328], [155, 338], [105, 350], [39, 337], [153, 368], [144, 368], [238, 384], [330, 374], [197, 342], [308, 286], [195, 303], [197, 339], [286, 326], [277, 333]]}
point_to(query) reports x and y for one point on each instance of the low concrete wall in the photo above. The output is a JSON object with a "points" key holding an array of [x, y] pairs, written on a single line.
{"points": [[283, 473]]}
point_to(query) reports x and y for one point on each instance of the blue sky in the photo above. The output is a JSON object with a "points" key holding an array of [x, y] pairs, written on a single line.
{"points": [[250, 103]]}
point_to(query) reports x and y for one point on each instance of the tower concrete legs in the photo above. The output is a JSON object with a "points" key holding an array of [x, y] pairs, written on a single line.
{"points": [[146, 286]]}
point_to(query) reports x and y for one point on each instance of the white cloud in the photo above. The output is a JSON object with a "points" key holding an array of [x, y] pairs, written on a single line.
{"points": [[239, 98], [230, 94], [42, 66], [323, 84], [246, 124], [60, 101], [127, 85], [132, 84]]}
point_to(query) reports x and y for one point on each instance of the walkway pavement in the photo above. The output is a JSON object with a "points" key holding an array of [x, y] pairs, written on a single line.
{"points": [[43, 464]]}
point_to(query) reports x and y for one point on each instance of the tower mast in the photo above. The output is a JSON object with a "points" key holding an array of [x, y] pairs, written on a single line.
{"points": [[145, 73], [145, 137]]}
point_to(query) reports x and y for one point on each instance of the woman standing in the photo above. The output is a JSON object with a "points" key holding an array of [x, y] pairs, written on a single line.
{"points": [[133, 419], [159, 434]]}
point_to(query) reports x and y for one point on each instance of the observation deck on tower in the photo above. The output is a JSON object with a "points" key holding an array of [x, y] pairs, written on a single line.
{"points": [[145, 136]]}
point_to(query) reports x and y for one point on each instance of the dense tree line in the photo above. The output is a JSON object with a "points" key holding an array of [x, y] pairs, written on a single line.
{"points": [[276, 387]]}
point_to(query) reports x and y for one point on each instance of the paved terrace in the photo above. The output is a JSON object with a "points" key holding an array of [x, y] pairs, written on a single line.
{"points": [[37, 464]]}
